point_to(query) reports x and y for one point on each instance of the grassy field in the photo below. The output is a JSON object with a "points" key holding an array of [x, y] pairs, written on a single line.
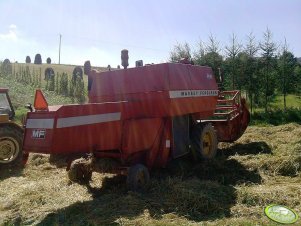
{"points": [[292, 101], [261, 168]]}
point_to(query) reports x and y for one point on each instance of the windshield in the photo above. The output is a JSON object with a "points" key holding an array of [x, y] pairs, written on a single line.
{"points": [[4, 104]]}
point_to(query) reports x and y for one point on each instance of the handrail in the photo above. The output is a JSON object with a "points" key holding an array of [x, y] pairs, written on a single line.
{"points": [[229, 106], [225, 107]]}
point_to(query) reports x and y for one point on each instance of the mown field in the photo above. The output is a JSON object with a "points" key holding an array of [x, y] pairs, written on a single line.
{"points": [[261, 168]]}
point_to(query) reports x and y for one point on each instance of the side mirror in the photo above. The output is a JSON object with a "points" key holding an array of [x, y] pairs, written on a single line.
{"points": [[29, 107]]}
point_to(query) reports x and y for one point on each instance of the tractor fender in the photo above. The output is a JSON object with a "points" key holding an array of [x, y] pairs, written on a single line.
{"points": [[12, 124]]}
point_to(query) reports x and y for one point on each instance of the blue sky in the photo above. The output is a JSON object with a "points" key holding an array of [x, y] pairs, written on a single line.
{"points": [[98, 30]]}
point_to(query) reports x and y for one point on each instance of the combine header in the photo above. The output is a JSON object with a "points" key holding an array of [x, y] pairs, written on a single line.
{"points": [[139, 118]]}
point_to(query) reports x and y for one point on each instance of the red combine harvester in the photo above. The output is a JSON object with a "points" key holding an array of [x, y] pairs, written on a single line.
{"points": [[140, 118]]}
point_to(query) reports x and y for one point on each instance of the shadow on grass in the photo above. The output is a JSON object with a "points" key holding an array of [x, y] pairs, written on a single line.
{"points": [[10, 171], [196, 191], [252, 148]]}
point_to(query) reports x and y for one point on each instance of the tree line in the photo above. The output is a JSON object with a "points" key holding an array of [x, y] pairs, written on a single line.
{"points": [[37, 59], [260, 69]]}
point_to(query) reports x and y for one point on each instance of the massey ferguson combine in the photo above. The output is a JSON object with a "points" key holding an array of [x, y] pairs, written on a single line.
{"points": [[138, 119]]}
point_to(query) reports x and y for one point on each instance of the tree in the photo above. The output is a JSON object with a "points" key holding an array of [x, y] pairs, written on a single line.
{"points": [[79, 90], [87, 67], [51, 85], [200, 53], [209, 55], [297, 73], [232, 51], [251, 50], [48, 60], [63, 89], [6, 67], [212, 45], [268, 49], [179, 52], [77, 71], [28, 60], [38, 59], [49, 72], [286, 65]]}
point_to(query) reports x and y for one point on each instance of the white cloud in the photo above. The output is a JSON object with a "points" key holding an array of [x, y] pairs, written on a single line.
{"points": [[11, 34], [12, 26]]}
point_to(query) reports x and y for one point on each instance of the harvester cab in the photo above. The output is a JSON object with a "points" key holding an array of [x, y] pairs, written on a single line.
{"points": [[6, 107]]}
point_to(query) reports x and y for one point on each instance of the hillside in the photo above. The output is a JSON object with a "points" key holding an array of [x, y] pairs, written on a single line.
{"points": [[261, 168], [22, 92], [58, 68]]}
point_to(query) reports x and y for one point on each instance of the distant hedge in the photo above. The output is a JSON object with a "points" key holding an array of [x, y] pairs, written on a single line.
{"points": [[277, 117]]}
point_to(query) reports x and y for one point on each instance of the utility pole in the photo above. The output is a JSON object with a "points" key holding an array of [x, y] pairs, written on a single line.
{"points": [[60, 49]]}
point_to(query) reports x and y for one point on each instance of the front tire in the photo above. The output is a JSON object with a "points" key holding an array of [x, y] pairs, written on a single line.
{"points": [[203, 141], [10, 145]]}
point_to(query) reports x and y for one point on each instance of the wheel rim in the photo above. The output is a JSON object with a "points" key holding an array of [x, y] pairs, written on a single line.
{"points": [[9, 148], [207, 144]]}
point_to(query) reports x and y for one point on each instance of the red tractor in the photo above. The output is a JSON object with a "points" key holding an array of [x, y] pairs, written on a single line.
{"points": [[139, 118]]}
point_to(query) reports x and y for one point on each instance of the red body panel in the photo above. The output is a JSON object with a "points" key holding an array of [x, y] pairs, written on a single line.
{"points": [[40, 145], [156, 90]]}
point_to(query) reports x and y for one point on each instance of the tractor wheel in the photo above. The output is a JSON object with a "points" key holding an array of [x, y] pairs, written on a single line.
{"points": [[10, 145], [137, 178], [80, 171], [203, 141]]}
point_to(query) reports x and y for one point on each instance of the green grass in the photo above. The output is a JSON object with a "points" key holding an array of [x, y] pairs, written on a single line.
{"points": [[292, 101], [276, 115]]}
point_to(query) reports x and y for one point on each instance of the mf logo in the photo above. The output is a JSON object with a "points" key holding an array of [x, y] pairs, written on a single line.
{"points": [[38, 133]]}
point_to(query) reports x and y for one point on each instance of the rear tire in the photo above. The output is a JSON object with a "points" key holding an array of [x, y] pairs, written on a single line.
{"points": [[203, 141], [137, 178], [11, 139]]}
